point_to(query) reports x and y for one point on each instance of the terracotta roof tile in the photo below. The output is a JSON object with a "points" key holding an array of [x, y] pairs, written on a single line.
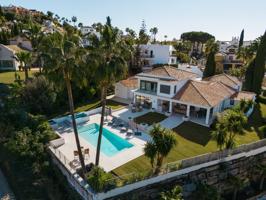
{"points": [[245, 95], [172, 72], [228, 80], [205, 93], [131, 82]]}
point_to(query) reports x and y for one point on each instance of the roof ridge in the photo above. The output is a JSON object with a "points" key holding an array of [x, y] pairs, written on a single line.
{"points": [[166, 70], [230, 77], [200, 92], [176, 68]]}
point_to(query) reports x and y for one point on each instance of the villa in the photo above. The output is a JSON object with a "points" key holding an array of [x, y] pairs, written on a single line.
{"points": [[181, 93], [7, 57], [152, 54]]}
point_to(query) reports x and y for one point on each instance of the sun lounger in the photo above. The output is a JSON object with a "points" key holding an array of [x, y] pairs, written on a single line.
{"points": [[123, 129]]}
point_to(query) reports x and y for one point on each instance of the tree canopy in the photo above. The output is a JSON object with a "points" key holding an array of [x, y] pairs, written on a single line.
{"points": [[197, 36]]}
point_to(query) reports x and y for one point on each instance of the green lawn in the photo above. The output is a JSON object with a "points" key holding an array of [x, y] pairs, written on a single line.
{"points": [[194, 140], [85, 106], [150, 118], [9, 77]]}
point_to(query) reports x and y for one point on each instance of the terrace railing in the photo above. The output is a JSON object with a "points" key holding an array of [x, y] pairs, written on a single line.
{"points": [[80, 185]]}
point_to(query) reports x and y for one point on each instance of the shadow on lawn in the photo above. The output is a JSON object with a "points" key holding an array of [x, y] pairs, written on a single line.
{"points": [[194, 133]]}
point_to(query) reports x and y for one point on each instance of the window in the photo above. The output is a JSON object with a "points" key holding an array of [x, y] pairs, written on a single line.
{"points": [[6, 64], [175, 89], [148, 86], [165, 89], [232, 102]]}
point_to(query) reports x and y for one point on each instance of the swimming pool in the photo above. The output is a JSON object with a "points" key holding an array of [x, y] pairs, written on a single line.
{"points": [[111, 143]]}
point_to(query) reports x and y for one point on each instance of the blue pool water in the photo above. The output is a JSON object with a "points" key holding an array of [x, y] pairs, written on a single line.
{"points": [[111, 143]]}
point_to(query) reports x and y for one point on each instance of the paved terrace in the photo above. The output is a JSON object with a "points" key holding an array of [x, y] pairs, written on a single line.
{"points": [[107, 163]]}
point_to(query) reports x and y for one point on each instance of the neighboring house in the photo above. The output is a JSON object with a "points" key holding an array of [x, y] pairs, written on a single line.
{"points": [[152, 54], [228, 53], [85, 31], [178, 92], [191, 68], [22, 42], [7, 57], [124, 89]]}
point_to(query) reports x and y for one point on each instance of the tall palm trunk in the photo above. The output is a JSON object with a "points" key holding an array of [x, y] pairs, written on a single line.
{"points": [[71, 108], [159, 164], [26, 72], [103, 99], [261, 182], [234, 194]]}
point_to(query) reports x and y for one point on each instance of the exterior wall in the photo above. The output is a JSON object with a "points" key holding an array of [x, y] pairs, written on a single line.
{"points": [[7, 55], [162, 54], [212, 169]]}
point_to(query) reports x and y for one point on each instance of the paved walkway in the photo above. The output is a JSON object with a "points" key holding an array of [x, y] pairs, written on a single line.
{"points": [[5, 191], [172, 121]]}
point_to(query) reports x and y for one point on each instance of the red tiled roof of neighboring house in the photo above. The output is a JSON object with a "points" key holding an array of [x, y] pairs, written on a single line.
{"points": [[245, 95], [172, 72], [204, 93], [226, 79], [130, 82]]}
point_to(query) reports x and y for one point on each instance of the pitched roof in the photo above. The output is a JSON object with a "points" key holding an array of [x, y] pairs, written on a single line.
{"points": [[204, 93], [14, 48], [171, 72], [130, 82], [245, 95], [226, 79]]}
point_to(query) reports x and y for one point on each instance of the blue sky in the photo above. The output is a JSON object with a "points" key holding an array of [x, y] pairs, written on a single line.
{"points": [[222, 18]]}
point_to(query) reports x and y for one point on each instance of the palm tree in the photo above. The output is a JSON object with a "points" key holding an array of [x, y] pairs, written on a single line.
{"points": [[109, 54], [35, 35], [63, 64], [74, 20], [211, 46], [230, 124], [161, 145], [237, 184], [165, 38], [262, 171], [154, 32], [24, 57]]}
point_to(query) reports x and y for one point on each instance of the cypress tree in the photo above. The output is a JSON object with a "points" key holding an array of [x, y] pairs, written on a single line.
{"points": [[249, 76], [210, 65], [259, 68], [241, 40]]}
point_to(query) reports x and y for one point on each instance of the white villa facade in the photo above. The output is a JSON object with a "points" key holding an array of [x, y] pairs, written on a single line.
{"points": [[7, 57], [86, 30], [179, 92], [152, 54]]}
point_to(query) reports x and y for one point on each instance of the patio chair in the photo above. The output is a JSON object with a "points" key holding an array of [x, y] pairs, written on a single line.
{"points": [[129, 133], [124, 129], [86, 154], [76, 155]]}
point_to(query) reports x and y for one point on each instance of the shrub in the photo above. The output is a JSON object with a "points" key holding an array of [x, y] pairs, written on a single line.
{"points": [[38, 96], [99, 180], [262, 129]]}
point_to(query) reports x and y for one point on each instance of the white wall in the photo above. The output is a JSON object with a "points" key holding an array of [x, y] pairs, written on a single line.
{"points": [[161, 53], [7, 54]]}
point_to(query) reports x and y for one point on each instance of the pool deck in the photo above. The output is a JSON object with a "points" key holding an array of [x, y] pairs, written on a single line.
{"points": [[107, 163]]}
